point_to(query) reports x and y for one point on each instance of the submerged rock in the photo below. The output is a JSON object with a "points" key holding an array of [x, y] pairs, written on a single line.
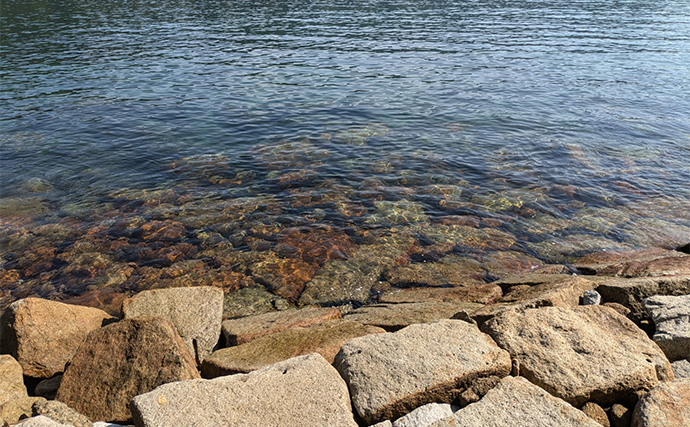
{"points": [[451, 270]]}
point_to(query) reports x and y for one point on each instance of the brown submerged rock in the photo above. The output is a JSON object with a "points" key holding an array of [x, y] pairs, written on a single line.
{"points": [[392, 317], [120, 361], [451, 270], [646, 263], [487, 293], [44, 335]]}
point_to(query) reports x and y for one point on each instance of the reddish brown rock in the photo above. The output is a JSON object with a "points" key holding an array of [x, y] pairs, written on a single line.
{"points": [[120, 361], [286, 277], [483, 294], [451, 270], [316, 244], [648, 263], [44, 335], [162, 230]]}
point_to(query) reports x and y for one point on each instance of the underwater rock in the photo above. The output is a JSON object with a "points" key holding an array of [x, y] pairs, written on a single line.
{"points": [[394, 213], [483, 294], [285, 277], [316, 244], [451, 270]]}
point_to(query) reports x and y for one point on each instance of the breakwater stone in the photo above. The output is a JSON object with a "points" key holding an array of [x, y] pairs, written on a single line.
{"points": [[44, 335], [120, 361], [668, 404], [580, 354], [11, 379], [671, 316], [196, 313], [391, 374], [517, 402], [302, 391]]}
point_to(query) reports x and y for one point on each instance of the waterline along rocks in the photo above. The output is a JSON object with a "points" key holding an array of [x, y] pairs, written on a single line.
{"points": [[537, 352]]}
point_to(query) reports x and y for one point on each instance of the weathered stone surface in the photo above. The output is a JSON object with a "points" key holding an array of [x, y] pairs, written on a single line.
{"points": [[385, 423], [392, 317], [44, 335], [580, 354], [668, 404], [243, 330], [42, 421], [61, 413], [120, 361], [48, 388], [425, 415], [558, 293], [671, 315], [14, 410], [251, 301], [451, 270], [631, 292], [531, 279], [305, 390], [597, 413], [325, 339], [620, 416], [11, 379], [591, 298], [517, 402], [391, 374], [483, 294], [196, 313], [681, 368], [647, 263]]}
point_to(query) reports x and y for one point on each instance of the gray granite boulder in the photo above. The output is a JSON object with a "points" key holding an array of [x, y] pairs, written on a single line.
{"points": [[11, 379], [516, 402], [305, 391], [196, 312], [580, 354], [393, 373], [681, 368], [668, 404], [671, 316]]}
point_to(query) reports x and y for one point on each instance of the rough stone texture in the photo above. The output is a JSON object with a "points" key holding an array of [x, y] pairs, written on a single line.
{"points": [[668, 404], [558, 293], [393, 317], [425, 415], [196, 313], [42, 421], [631, 292], [580, 354], [391, 374], [482, 294], [385, 423], [647, 263], [517, 402], [243, 330], [303, 391], [251, 301], [14, 410], [681, 368], [11, 379], [104, 424], [597, 413], [531, 279], [44, 335], [591, 298], [671, 315], [48, 388], [120, 361], [620, 416], [325, 339], [58, 411], [451, 270]]}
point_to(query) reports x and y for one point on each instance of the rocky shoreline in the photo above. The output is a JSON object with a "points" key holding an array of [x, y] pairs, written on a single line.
{"points": [[604, 343]]}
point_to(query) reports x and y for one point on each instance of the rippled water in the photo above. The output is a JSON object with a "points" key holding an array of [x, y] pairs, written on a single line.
{"points": [[241, 143]]}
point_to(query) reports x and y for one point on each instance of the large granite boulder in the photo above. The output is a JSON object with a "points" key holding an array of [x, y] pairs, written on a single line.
{"points": [[120, 361], [304, 391], [11, 379], [580, 354], [325, 339], [671, 316], [668, 404], [245, 329], [44, 335], [391, 374], [393, 317], [196, 312], [517, 402]]}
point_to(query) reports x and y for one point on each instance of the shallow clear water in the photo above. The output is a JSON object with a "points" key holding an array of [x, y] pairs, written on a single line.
{"points": [[556, 128]]}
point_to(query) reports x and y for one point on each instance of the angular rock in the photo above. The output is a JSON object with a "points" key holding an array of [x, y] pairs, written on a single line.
{"points": [[120, 361], [14, 410], [243, 330], [591, 298], [391, 374], [385, 423], [597, 413], [668, 404], [580, 354], [681, 368], [11, 379], [483, 294], [48, 388], [305, 390], [620, 416], [451, 270], [393, 317], [42, 421], [671, 315], [61, 413], [44, 335], [565, 292], [325, 339], [196, 313], [517, 402], [642, 264], [631, 292], [425, 415]]}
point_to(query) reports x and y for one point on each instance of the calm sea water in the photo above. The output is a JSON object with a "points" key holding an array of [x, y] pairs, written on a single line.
{"points": [[556, 128]]}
